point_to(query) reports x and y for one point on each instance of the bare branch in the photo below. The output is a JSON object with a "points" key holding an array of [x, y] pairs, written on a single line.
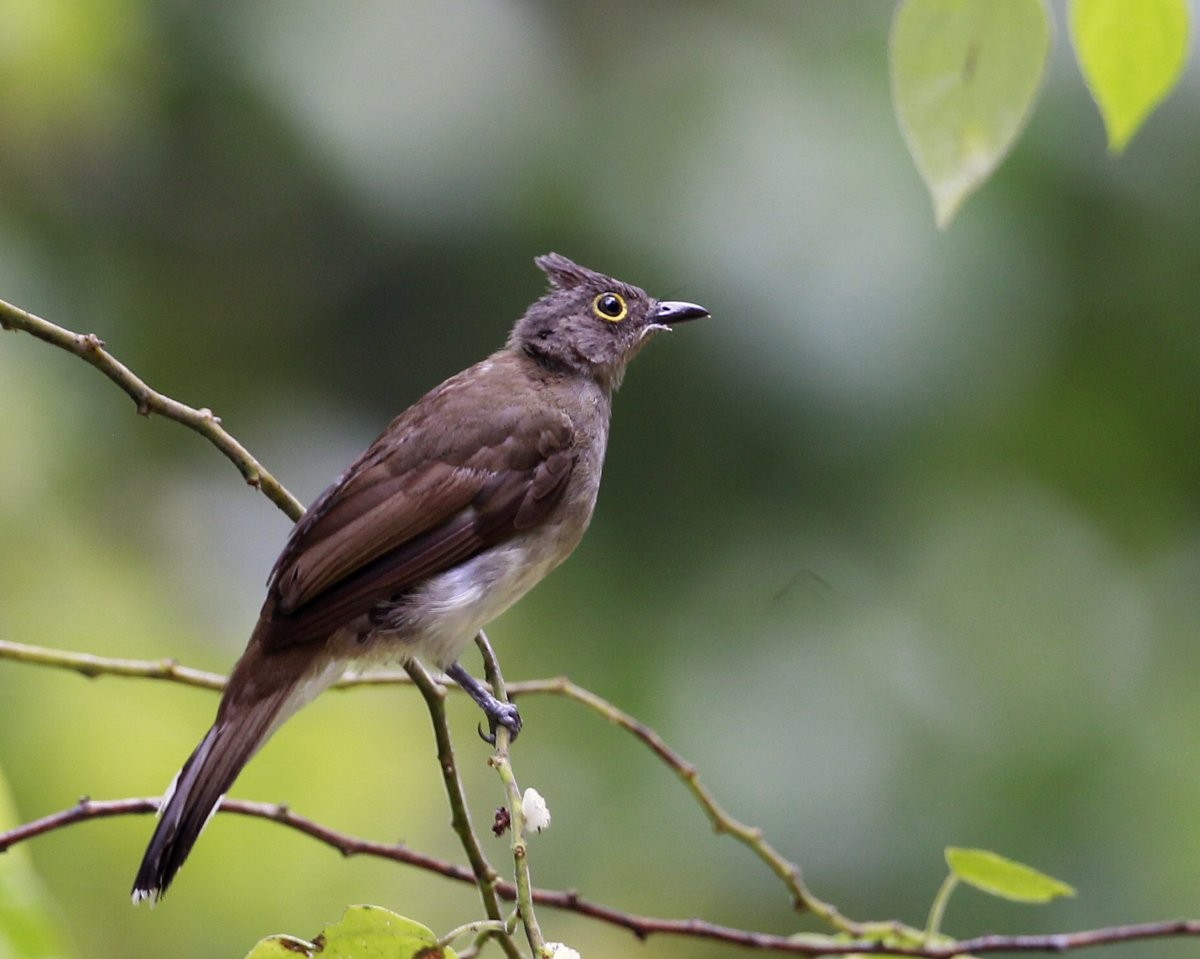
{"points": [[169, 670], [94, 666], [347, 845], [90, 348]]}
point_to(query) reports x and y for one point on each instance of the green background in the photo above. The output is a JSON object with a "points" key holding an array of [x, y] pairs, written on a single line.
{"points": [[901, 549]]}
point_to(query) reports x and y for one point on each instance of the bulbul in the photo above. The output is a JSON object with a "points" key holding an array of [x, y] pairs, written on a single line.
{"points": [[465, 501]]}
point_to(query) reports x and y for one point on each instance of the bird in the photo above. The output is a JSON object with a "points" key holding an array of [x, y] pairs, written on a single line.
{"points": [[464, 502]]}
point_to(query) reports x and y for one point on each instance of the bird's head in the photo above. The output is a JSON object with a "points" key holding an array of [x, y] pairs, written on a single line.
{"points": [[592, 324]]}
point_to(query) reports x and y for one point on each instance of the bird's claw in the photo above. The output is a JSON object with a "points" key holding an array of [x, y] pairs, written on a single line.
{"points": [[500, 714]]}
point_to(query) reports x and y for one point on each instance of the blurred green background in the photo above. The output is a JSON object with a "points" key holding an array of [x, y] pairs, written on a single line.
{"points": [[902, 548]]}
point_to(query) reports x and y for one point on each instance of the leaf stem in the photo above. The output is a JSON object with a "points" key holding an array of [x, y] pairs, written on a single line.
{"points": [[937, 911]]}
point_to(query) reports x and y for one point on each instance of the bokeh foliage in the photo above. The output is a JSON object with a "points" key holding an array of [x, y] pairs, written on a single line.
{"points": [[901, 548]]}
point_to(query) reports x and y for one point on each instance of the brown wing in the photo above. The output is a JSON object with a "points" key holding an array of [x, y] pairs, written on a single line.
{"points": [[429, 494]]}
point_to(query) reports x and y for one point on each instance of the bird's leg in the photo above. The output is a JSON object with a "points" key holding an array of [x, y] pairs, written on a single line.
{"points": [[498, 713]]}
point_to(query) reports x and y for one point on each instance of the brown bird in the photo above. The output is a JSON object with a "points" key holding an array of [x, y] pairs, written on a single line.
{"points": [[465, 501]]}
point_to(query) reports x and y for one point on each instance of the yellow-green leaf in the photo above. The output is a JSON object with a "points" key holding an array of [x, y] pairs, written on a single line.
{"points": [[1131, 53], [1003, 877], [363, 932], [965, 75]]}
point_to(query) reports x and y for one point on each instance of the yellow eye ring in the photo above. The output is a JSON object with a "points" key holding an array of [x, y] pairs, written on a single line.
{"points": [[610, 307]]}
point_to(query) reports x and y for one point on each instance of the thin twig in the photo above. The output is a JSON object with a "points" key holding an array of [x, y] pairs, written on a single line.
{"points": [[518, 842], [483, 929], [95, 666], [90, 348], [168, 670]]}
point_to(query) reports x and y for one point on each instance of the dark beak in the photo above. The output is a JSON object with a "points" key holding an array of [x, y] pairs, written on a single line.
{"points": [[670, 312]]}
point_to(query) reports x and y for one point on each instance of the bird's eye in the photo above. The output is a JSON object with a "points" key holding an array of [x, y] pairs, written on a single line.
{"points": [[610, 307]]}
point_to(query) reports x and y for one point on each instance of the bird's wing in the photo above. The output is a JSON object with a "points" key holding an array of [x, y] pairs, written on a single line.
{"points": [[402, 513]]}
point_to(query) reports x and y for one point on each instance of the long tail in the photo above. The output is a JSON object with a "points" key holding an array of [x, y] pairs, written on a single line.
{"points": [[193, 797]]}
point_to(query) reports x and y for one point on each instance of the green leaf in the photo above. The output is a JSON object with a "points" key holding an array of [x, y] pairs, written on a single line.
{"points": [[1003, 877], [363, 932], [1131, 53], [965, 75]]}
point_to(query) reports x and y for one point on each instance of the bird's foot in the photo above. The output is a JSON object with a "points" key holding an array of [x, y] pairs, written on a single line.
{"points": [[498, 714]]}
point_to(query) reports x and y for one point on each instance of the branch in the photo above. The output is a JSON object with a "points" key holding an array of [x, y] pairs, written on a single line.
{"points": [[347, 845], [90, 348], [94, 666], [169, 670], [641, 926]]}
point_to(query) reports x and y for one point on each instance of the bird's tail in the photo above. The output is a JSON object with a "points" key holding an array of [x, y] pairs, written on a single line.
{"points": [[192, 798]]}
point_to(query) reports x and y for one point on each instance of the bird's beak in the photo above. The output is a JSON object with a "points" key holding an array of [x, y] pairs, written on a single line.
{"points": [[670, 312]]}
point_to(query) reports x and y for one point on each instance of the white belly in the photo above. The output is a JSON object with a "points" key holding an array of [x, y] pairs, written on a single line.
{"points": [[451, 607]]}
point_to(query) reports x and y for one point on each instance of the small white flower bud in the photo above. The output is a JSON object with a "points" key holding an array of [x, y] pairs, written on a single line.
{"points": [[559, 951], [536, 813]]}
